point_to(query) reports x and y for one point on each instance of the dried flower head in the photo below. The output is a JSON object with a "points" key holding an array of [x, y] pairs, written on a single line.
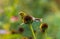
{"points": [[43, 27], [21, 30], [38, 19], [22, 14], [28, 19], [13, 32]]}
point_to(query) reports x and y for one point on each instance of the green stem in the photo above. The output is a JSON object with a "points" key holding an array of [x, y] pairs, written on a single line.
{"points": [[32, 31]]}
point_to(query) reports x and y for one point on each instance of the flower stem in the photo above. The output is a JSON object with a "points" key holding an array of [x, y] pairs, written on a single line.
{"points": [[32, 31]]}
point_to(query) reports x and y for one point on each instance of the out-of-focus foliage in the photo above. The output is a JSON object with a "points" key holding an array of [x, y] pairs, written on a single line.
{"points": [[48, 10]]}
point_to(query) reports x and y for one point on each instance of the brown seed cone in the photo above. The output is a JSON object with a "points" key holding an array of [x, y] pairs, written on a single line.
{"points": [[13, 32], [21, 30], [28, 19], [43, 27]]}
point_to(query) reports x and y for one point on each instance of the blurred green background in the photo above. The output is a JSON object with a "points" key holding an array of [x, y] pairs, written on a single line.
{"points": [[48, 10]]}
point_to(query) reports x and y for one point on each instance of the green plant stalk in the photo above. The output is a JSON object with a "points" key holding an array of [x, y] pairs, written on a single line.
{"points": [[32, 31], [44, 35]]}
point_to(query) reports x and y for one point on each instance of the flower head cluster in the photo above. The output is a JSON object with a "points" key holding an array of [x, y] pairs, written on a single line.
{"points": [[27, 19]]}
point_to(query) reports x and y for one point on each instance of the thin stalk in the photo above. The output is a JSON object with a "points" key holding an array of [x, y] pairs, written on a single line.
{"points": [[32, 31]]}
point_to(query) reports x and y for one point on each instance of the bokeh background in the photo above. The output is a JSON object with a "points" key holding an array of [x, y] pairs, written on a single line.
{"points": [[48, 10]]}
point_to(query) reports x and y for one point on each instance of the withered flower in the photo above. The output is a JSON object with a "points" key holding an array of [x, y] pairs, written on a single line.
{"points": [[43, 27], [13, 32], [28, 19], [22, 14], [38, 19], [21, 30]]}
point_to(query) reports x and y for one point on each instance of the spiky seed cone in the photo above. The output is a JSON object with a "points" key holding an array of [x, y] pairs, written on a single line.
{"points": [[28, 19], [43, 27], [13, 32], [21, 30]]}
